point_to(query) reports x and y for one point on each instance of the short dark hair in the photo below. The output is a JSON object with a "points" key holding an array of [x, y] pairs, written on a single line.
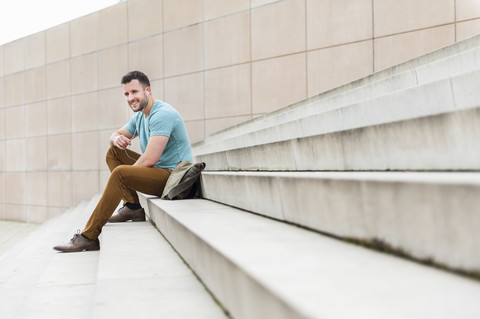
{"points": [[136, 75]]}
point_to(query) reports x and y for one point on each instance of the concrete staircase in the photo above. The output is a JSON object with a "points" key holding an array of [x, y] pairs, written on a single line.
{"points": [[362, 202], [136, 274]]}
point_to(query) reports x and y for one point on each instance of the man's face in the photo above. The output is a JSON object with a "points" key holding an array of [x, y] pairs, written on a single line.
{"points": [[135, 95]]}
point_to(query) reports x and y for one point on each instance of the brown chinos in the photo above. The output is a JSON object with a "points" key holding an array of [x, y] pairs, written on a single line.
{"points": [[124, 182]]}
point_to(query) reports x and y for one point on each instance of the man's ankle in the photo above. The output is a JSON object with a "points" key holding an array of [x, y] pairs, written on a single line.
{"points": [[85, 236], [133, 206]]}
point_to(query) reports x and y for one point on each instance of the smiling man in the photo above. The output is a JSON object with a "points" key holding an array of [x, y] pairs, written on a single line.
{"points": [[164, 143]]}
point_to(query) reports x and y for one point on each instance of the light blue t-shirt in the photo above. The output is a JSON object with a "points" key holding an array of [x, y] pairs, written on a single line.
{"points": [[166, 121]]}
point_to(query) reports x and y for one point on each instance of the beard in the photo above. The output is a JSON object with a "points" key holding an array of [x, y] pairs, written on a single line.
{"points": [[141, 104]]}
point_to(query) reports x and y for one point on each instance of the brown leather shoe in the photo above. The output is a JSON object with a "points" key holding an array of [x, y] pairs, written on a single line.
{"points": [[79, 243], [125, 214]]}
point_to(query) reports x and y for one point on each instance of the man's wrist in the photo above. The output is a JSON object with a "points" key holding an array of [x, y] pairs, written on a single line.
{"points": [[112, 139]]}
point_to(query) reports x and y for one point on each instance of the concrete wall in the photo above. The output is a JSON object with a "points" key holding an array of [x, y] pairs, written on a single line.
{"points": [[219, 62]]}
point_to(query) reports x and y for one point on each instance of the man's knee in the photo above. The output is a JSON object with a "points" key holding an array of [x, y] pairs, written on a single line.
{"points": [[111, 153], [120, 170]]}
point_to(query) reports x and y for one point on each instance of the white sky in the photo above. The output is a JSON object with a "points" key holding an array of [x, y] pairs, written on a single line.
{"points": [[20, 18]]}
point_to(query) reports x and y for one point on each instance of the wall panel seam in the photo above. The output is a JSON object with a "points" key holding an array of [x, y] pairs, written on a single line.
{"points": [[455, 18], [416, 30], [204, 72], [373, 36], [306, 46]]}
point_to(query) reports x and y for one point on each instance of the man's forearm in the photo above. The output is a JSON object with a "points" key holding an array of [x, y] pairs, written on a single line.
{"points": [[144, 161], [153, 152]]}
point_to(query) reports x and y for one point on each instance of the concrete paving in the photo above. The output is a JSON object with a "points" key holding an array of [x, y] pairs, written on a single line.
{"points": [[261, 268]]}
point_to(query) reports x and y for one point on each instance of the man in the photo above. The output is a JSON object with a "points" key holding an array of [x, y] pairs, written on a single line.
{"points": [[164, 143]]}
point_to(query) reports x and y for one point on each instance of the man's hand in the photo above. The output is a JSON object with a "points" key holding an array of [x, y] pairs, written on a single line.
{"points": [[121, 138], [121, 142]]}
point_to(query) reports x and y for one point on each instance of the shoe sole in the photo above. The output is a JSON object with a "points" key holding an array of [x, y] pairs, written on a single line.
{"points": [[77, 251], [93, 248]]}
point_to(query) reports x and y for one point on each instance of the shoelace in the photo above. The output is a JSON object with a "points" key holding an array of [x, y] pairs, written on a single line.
{"points": [[75, 236]]}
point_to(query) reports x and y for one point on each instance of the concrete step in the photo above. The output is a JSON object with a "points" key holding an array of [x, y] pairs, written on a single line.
{"points": [[37, 282], [65, 289], [136, 274], [457, 59], [261, 268], [431, 217], [446, 141], [141, 276], [35, 243], [441, 97], [19, 245], [12, 232]]}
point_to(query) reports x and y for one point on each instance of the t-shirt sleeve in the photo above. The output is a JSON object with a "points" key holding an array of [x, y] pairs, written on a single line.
{"points": [[162, 124], [131, 125]]}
